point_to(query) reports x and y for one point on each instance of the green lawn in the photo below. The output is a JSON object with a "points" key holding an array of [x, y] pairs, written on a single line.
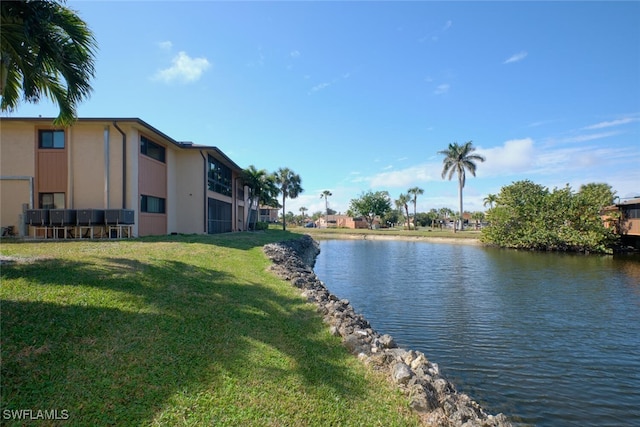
{"points": [[177, 330]]}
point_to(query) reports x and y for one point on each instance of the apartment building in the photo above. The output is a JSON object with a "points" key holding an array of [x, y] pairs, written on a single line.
{"points": [[118, 163]]}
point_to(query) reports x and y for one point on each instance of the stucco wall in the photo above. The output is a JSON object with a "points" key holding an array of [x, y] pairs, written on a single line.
{"points": [[87, 188], [189, 193], [17, 154]]}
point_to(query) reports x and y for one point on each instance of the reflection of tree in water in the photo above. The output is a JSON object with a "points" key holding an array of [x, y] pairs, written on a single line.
{"points": [[630, 266]]}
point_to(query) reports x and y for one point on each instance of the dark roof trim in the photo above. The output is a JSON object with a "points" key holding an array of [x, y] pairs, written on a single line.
{"points": [[219, 152]]}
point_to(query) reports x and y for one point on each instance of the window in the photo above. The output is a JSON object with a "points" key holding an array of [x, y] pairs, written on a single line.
{"points": [[633, 213], [151, 149], [219, 216], [219, 177], [51, 200], [51, 139], [152, 204]]}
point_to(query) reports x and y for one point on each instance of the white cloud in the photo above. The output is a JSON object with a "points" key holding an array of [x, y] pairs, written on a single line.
{"points": [[404, 177], [166, 45], [447, 25], [516, 57], [516, 155], [612, 123], [320, 86], [442, 89], [325, 85], [294, 54], [560, 162], [587, 137], [183, 69]]}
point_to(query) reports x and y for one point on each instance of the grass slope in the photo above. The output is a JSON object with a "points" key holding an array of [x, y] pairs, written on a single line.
{"points": [[176, 330]]}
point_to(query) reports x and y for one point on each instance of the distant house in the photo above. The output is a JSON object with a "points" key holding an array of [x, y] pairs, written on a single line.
{"points": [[625, 218], [268, 214], [118, 163], [342, 221]]}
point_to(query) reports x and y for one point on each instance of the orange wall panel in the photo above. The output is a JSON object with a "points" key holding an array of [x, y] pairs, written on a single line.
{"points": [[152, 224], [152, 178], [52, 171]]}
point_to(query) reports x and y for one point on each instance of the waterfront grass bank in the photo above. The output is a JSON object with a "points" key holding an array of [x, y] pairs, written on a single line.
{"points": [[176, 330]]}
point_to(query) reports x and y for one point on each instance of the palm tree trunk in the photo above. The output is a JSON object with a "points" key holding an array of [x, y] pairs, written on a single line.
{"points": [[284, 218], [4, 71], [460, 198], [326, 210], [406, 209], [257, 214]]}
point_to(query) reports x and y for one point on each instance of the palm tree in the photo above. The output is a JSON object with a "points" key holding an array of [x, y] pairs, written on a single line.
{"points": [[478, 217], [445, 213], [288, 183], [415, 191], [326, 194], [45, 50], [302, 210], [490, 200], [403, 202], [262, 189], [458, 159]]}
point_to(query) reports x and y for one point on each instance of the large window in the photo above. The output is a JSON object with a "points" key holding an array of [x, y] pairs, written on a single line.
{"points": [[219, 177], [151, 149], [51, 200], [152, 204], [51, 139], [219, 217]]}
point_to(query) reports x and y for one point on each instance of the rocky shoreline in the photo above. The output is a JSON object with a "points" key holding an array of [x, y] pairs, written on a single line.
{"points": [[431, 395]]}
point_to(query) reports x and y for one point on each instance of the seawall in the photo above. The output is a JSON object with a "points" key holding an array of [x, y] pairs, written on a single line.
{"points": [[430, 394]]}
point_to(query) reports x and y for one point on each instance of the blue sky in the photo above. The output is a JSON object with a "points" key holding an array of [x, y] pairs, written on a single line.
{"points": [[357, 96]]}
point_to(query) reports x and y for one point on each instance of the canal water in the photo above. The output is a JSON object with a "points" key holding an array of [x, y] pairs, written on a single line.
{"points": [[547, 339]]}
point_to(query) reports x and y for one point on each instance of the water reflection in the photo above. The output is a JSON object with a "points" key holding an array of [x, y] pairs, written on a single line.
{"points": [[551, 339]]}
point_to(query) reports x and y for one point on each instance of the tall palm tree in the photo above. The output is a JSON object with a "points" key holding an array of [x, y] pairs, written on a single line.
{"points": [[262, 190], [403, 202], [326, 194], [458, 159], [45, 50], [490, 200], [289, 184], [415, 192]]}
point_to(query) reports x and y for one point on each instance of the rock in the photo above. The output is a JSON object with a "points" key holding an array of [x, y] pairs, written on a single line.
{"points": [[387, 341], [401, 373], [353, 344], [419, 361]]}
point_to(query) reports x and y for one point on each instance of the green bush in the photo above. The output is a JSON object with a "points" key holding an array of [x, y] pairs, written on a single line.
{"points": [[529, 216]]}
